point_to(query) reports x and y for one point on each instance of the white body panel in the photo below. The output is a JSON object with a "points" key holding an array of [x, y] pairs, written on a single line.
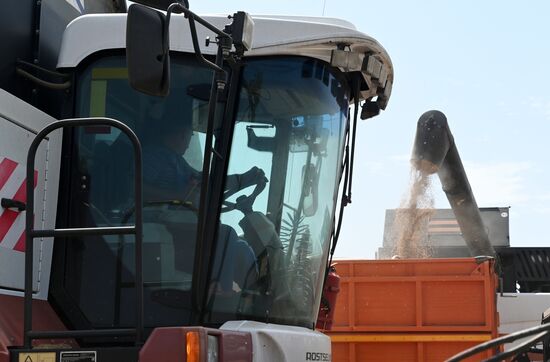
{"points": [[519, 311], [19, 123], [278, 343]]}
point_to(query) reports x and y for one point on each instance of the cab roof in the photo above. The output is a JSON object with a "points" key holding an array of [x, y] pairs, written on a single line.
{"points": [[315, 37]]}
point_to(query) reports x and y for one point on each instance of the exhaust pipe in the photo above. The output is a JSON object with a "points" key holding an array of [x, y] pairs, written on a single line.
{"points": [[435, 151]]}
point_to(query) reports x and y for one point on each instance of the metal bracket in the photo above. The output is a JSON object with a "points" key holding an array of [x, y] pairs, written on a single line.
{"points": [[13, 204]]}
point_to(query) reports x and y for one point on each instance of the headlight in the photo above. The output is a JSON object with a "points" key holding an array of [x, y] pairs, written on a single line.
{"points": [[196, 344], [243, 30]]}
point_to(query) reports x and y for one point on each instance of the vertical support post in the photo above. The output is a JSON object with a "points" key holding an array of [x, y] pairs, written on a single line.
{"points": [[138, 200], [29, 239]]}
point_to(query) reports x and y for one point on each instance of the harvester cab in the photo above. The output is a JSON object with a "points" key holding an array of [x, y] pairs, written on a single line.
{"points": [[215, 243]]}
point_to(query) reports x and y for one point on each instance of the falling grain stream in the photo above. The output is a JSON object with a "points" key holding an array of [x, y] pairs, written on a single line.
{"points": [[410, 226]]}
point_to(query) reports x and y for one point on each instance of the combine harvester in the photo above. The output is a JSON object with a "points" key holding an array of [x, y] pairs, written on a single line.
{"points": [[102, 256]]}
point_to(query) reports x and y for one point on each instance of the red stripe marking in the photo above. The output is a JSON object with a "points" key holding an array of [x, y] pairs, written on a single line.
{"points": [[7, 167], [6, 221], [21, 194], [20, 245], [8, 216]]}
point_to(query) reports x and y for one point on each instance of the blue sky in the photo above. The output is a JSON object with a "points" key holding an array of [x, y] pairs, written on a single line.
{"points": [[485, 64]]}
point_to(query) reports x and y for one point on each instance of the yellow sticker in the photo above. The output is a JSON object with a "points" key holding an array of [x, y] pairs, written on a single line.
{"points": [[110, 73], [37, 357]]}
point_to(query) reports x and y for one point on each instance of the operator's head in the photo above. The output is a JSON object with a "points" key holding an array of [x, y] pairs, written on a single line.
{"points": [[176, 135], [173, 124]]}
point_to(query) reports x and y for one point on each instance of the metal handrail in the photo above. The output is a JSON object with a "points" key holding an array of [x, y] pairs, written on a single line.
{"points": [[31, 234], [540, 332]]}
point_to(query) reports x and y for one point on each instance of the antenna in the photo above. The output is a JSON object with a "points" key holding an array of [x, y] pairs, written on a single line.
{"points": [[324, 5]]}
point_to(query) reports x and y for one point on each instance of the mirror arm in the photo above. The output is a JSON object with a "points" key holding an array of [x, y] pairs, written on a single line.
{"points": [[192, 18], [189, 14], [197, 48]]}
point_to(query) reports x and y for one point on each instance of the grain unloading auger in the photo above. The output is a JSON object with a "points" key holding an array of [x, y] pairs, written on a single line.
{"points": [[435, 151]]}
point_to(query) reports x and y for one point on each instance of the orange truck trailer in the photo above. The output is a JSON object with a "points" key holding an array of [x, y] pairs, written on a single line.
{"points": [[417, 310]]}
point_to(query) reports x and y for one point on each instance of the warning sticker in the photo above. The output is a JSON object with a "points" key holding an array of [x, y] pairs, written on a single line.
{"points": [[79, 356], [37, 357]]}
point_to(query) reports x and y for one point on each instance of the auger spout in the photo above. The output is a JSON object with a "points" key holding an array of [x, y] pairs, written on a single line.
{"points": [[435, 151]]}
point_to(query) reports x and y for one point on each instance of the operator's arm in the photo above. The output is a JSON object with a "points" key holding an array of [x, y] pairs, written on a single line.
{"points": [[167, 178], [164, 179], [237, 182]]}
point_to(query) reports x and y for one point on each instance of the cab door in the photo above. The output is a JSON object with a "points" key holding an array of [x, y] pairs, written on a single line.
{"points": [[19, 124]]}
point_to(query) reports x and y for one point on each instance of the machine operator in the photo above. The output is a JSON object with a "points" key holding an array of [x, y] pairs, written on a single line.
{"points": [[169, 178]]}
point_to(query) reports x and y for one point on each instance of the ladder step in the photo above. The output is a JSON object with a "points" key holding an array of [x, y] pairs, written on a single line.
{"points": [[113, 230]]}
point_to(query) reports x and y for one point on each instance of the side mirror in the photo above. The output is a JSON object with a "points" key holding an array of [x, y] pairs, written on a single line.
{"points": [[147, 51]]}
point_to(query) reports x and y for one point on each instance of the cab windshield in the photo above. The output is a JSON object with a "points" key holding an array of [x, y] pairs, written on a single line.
{"points": [[279, 198], [290, 125]]}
